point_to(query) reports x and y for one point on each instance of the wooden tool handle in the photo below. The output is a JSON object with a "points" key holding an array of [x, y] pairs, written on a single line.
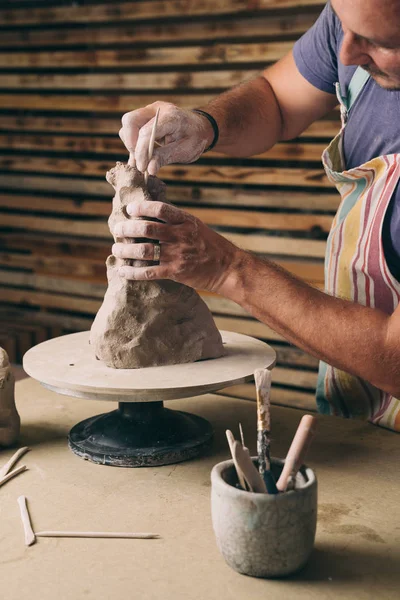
{"points": [[231, 441], [30, 537], [12, 474], [297, 451], [98, 534], [15, 458], [251, 475]]}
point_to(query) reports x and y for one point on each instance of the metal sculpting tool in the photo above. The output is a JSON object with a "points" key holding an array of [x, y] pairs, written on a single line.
{"points": [[151, 143]]}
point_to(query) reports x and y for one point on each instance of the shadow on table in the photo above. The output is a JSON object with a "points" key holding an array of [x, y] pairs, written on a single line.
{"points": [[351, 564], [35, 434]]}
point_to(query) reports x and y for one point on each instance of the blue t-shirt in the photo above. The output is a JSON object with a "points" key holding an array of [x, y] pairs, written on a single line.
{"points": [[373, 127]]}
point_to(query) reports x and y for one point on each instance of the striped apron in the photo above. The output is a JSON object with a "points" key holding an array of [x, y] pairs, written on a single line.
{"points": [[355, 265]]}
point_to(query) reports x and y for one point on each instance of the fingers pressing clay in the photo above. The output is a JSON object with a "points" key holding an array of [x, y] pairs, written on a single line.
{"points": [[130, 330], [9, 417], [30, 537]]}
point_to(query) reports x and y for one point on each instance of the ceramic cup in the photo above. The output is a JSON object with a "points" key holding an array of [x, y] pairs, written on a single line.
{"points": [[262, 535]]}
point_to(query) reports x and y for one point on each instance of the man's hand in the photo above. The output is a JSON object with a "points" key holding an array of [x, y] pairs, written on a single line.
{"points": [[191, 252], [183, 135]]}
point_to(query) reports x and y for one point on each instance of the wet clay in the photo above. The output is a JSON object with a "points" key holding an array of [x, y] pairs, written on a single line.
{"points": [[9, 417], [148, 323]]}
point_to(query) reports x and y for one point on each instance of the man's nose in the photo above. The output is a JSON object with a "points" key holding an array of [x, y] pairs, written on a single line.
{"points": [[353, 50]]}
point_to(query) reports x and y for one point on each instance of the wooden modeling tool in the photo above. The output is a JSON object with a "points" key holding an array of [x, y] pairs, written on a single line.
{"points": [[5, 472], [30, 537], [151, 143], [12, 474], [98, 534], [262, 379], [231, 441], [14, 459], [242, 436], [250, 473], [297, 451]]}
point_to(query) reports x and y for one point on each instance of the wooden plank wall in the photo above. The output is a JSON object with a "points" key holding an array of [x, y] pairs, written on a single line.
{"points": [[68, 71]]}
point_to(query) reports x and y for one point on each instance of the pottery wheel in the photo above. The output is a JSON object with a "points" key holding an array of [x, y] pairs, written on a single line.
{"points": [[141, 432]]}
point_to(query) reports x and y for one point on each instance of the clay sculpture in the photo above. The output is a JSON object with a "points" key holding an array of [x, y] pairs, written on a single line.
{"points": [[148, 323], [9, 417]]}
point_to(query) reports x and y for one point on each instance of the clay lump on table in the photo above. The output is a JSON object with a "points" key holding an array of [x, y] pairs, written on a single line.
{"points": [[9, 417], [148, 323]]}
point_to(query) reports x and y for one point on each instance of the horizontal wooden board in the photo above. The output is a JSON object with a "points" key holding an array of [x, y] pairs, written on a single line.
{"points": [[153, 9], [327, 128], [279, 396], [308, 200], [218, 80], [113, 102], [60, 285], [63, 265], [309, 152], [184, 173], [50, 259], [163, 32], [44, 325], [148, 57], [231, 218], [261, 244], [89, 291], [32, 297]]}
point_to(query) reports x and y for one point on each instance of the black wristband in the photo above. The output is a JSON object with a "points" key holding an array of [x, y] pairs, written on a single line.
{"points": [[214, 125]]}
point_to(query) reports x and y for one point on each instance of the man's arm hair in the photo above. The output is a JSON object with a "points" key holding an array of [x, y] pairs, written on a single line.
{"points": [[278, 105]]}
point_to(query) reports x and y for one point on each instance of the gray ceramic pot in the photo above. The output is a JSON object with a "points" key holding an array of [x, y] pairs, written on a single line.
{"points": [[259, 534]]}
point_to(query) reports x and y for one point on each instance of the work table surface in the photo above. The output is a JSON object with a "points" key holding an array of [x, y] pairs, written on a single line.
{"points": [[357, 553]]}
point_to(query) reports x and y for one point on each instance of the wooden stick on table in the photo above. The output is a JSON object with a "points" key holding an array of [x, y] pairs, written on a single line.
{"points": [[12, 474], [15, 458], [297, 451], [30, 537], [98, 534], [262, 379]]}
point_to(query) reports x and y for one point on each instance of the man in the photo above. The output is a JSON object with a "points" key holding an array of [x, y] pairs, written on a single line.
{"points": [[354, 328]]}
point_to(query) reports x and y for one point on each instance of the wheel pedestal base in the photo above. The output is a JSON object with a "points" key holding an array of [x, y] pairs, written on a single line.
{"points": [[141, 434]]}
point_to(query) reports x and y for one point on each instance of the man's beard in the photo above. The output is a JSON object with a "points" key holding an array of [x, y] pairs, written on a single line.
{"points": [[394, 87]]}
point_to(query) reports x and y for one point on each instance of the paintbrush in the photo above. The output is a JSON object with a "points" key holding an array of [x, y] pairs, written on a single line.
{"points": [[262, 379], [297, 451]]}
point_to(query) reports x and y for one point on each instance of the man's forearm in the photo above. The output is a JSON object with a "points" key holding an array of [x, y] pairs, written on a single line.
{"points": [[248, 118], [344, 334]]}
